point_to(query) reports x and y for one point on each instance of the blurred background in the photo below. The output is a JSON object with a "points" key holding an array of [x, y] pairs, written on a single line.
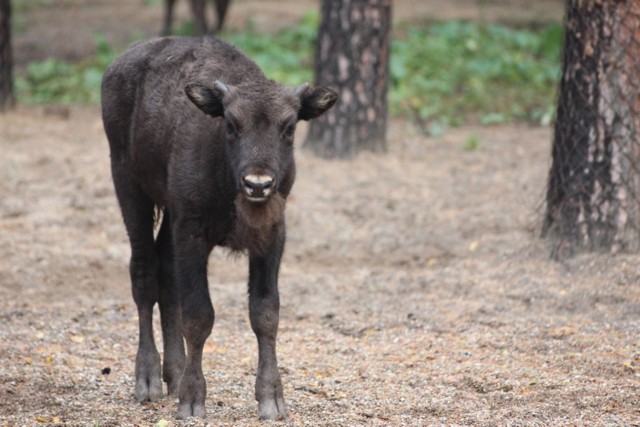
{"points": [[415, 288], [449, 59]]}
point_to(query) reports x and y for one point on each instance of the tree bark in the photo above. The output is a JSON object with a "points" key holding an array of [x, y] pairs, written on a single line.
{"points": [[352, 57], [7, 98], [593, 190]]}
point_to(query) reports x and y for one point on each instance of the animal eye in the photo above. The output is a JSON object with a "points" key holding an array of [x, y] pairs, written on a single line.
{"points": [[231, 129], [289, 131]]}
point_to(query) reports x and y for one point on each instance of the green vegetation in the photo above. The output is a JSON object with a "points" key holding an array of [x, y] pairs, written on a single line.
{"points": [[442, 74], [23, 5], [471, 143], [286, 56], [53, 81], [446, 73]]}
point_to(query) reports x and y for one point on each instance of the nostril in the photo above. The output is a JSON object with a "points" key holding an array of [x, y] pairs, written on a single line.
{"points": [[247, 183], [257, 185]]}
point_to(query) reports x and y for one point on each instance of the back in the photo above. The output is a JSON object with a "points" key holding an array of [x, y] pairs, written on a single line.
{"points": [[147, 115], [147, 82]]}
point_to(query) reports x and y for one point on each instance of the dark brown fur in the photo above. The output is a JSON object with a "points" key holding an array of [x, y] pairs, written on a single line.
{"points": [[253, 230]]}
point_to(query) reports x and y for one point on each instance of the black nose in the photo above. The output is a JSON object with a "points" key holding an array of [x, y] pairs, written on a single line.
{"points": [[257, 187]]}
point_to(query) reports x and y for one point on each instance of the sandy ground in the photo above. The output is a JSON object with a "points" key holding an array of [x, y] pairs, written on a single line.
{"points": [[415, 290]]}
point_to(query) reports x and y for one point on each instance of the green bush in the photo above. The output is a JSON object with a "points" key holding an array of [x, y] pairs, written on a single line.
{"points": [[286, 56], [450, 72], [53, 81], [441, 74]]}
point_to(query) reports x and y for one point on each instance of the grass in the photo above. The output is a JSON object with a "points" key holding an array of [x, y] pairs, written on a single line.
{"points": [[449, 72], [24, 5], [442, 74], [54, 81]]}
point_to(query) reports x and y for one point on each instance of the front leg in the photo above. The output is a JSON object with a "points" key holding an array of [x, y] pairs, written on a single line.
{"points": [[191, 253], [264, 307]]}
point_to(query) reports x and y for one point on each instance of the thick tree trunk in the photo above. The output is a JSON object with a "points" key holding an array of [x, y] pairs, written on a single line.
{"points": [[594, 183], [352, 57], [7, 99]]}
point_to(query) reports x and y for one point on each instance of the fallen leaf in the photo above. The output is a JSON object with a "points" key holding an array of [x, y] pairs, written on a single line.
{"points": [[562, 332], [49, 420], [76, 338], [337, 396]]}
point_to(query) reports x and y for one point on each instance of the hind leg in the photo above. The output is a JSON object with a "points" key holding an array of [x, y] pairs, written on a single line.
{"points": [[137, 212], [221, 11], [170, 313], [198, 9], [168, 17], [191, 252]]}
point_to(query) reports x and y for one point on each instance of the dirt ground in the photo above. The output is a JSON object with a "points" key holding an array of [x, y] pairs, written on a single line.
{"points": [[415, 291]]}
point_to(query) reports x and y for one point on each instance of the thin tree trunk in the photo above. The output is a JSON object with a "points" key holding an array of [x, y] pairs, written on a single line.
{"points": [[7, 98], [594, 181], [352, 57]]}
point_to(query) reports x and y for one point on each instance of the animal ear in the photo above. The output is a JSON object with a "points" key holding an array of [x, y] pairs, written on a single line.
{"points": [[314, 100], [208, 99]]}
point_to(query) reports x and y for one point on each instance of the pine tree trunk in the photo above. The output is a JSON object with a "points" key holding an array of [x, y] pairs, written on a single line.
{"points": [[352, 57], [593, 191], [7, 99]]}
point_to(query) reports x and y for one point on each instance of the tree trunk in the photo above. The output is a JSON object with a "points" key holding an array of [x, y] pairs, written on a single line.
{"points": [[352, 57], [7, 99], [593, 191]]}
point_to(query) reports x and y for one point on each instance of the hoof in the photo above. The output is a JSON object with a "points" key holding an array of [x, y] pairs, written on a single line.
{"points": [[148, 377], [186, 410], [148, 389], [272, 409]]}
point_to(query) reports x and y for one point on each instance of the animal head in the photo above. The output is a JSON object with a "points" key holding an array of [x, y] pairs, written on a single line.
{"points": [[259, 126]]}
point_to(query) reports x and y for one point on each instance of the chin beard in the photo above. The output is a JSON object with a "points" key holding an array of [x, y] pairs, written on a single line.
{"points": [[257, 224], [262, 215]]}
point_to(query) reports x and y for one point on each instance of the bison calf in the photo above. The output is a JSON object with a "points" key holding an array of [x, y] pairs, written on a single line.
{"points": [[196, 130]]}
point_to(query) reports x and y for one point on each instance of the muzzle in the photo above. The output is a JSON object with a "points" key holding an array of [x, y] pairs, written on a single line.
{"points": [[258, 187]]}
